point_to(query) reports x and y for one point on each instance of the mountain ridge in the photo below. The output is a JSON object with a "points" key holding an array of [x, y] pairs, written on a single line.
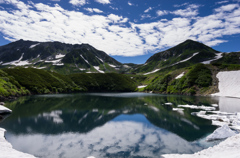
{"points": [[57, 56]]}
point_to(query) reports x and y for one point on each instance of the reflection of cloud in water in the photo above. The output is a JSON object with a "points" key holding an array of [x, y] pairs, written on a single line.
{"points": [[54, 115], [113, 139]]}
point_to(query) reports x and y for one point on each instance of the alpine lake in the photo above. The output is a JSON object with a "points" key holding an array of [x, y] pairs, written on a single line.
{"points": [[101, 125]]}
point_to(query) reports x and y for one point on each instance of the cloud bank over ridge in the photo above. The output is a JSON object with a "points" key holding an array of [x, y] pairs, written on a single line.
{"points": [[116, 34]]}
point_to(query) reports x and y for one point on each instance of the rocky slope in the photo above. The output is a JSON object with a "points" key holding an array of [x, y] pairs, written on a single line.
{"points": [[58, 57]]}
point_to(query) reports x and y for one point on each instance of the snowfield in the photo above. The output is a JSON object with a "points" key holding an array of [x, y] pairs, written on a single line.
{"points": [[228, 148], [180, 76], [98, 69], [6, 150], [218, 56], [229, 84], [151, 72], [3, 109], [34, 45]]}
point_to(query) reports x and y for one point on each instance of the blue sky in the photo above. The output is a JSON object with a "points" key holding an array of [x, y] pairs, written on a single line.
{"points": [[128, 30]]}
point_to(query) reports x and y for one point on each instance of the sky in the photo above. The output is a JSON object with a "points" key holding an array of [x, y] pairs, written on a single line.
{"points": [[128, 30]]}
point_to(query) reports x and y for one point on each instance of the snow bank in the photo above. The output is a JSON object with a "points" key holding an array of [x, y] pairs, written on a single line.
{"points": [[18, 62], [218, 56], [84, 59], [197, 107], [229, 84], [173, 64], [98, 69], [34, 45], [100, 59], [221, 133], [112, 65], [180, 76], [53, 61], [228, 148], [3, 109], [151, 72], [59, 56], [143, 86], [185, 59], [177, 109], [7, 151]]}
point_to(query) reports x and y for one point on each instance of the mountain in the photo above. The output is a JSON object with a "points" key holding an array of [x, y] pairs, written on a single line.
{"points": [[185, 54], [58, 57]]}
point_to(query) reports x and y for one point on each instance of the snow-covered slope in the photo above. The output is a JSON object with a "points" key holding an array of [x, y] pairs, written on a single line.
{"points": [[6, 150], [229, 84], [218, 56], [228, 148], [3, 109]]}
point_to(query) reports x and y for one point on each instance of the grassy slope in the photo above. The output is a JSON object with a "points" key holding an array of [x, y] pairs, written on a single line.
{"points": [[23, 81], [197, 79], [104, 82]]}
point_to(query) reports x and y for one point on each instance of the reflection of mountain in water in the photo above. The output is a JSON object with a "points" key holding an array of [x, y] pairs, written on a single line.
{"points": [[125, 138], [82, 113]]}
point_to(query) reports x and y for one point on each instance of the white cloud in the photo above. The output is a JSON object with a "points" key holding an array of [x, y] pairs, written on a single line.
{"points": [[147, 10], [114, 34], [96, 10], [227, 8], [103, 1], [180, 5], [78, 2], [161, 13], [221, 2], [191, 10], [129, 3]]}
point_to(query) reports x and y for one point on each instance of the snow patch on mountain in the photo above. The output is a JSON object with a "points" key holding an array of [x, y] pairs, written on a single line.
{"points": [[34, 45], [98, 69], [112, 65], [18, 62], [185, 59], [151, 72], [84, 59], [59, 56], [172, 64], [100, 59], [53, 61], [180, 76], [142, 86], [218, 56]]}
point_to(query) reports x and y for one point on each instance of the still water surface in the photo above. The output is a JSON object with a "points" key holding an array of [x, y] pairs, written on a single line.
{"points": [[109, 124]]}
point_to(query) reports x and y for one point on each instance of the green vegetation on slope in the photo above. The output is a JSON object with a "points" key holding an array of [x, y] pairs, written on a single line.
{"points": [[198, 76], [10, 87], [104, 82], [23, 81]]}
